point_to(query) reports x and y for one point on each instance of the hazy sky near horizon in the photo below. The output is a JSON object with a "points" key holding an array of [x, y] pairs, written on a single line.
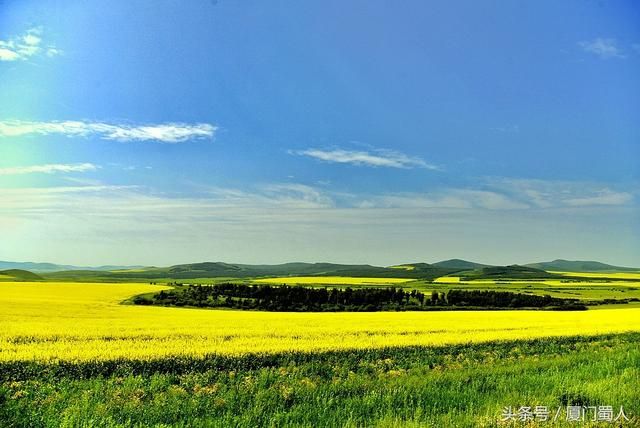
{"points": [[162, 132]]}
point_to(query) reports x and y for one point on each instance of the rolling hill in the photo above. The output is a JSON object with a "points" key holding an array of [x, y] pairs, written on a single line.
{"points": [[579, 266], [19, 275], [187, 271], [459, 264], [228, 270], [509, 272]]}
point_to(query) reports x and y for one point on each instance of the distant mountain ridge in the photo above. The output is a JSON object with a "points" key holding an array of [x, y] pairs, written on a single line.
{"points": [[53, 267], [579, 266], [417, 270]]}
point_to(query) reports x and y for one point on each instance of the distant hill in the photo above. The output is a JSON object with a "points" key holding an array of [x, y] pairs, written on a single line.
{"points": [[212, 269], [459, 264], [579, 266], [424, 271], [19, 274], [509, 272], [229, 270], [52, 267]]}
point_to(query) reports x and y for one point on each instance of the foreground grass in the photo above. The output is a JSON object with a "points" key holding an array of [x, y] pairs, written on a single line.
{"points": [[456, 385]]}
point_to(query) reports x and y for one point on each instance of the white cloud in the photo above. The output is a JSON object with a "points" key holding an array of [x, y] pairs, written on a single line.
{"points": [[602, 197], [48, 168], [26, 46], [559, 193], [99, 222], [164, 132], [375, 158], [446, 199], [604, 48]]}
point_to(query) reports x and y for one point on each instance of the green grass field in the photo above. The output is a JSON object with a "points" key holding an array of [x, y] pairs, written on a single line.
{"points": [[451, 386]]}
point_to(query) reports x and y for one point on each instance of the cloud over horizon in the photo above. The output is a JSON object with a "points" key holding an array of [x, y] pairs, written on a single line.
{"points": [[232, 224]]}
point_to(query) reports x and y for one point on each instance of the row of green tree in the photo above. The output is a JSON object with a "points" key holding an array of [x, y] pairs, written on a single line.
{"points": [[307, 299]]}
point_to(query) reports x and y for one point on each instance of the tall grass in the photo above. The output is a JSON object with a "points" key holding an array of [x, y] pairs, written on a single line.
{"points": [[459, 385]]}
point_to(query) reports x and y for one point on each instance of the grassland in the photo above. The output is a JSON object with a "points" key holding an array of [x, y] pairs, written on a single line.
{"points": [[454, 386]]}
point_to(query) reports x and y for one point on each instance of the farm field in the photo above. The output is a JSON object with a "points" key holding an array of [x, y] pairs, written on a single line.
{"points": [[597, 288], [85, 321], [72, 355], [609, 275], [585, 286], [331, 280]]}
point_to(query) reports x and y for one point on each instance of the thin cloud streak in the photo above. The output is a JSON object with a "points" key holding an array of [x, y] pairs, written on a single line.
{"points": [[275, 223], [298, 200], [164, 132], [558, 193], [375, 158], [48, 168]]}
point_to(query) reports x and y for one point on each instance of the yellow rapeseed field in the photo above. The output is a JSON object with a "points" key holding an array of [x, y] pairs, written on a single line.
{"points": [[447, 279], [76, 321], [405, 267], [612, 275], [618, 280], [338, 280]]}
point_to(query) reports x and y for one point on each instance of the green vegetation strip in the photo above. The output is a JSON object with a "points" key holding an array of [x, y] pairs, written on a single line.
{"points": [[462, 386], [314, 299]]}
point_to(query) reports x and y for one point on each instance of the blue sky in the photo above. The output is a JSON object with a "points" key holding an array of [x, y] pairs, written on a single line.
{"points": [[159, 132]]}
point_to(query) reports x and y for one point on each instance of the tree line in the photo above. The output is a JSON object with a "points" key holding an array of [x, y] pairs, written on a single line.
{"points": [[310, 299]]}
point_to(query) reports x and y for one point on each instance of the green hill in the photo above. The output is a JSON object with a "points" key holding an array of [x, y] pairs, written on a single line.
{"points": [[509, 272], [212, 269], [459, 264], [19, 275], [579, 266], [228, 270]]}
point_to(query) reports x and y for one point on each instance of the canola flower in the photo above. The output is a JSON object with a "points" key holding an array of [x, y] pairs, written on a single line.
{"points": [[447, 280], [86, 322]]}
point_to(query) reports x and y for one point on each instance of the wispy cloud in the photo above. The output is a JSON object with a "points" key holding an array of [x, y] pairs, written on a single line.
{"points": [[465, 199], [163, 132], [26, 46], [558, 193], [604, 48], [276, 223], [374, 158], [48, 168], [505, 194], [602, 197]]}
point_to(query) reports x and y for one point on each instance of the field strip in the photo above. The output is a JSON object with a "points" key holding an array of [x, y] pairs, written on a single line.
{"points": [[81, 322], [337, 280]]}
